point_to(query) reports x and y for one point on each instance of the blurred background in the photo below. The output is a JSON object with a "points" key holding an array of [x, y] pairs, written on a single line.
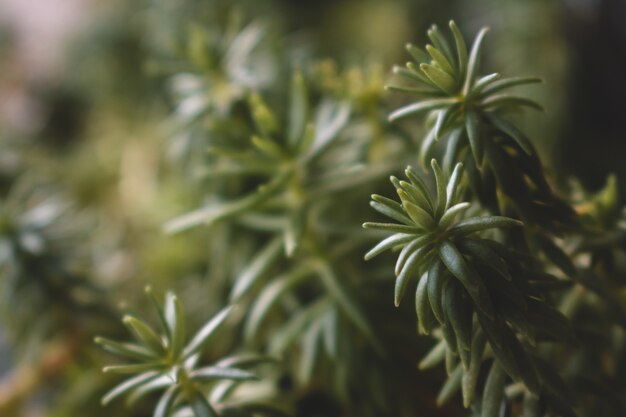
{"points": [[86, 110], [68, 64]]}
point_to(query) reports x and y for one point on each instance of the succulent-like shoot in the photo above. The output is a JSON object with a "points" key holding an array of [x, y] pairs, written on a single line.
{"points": [[471, 111], [428, 233], [447, 82], [286, 157], [166, 361], [473, 293]]}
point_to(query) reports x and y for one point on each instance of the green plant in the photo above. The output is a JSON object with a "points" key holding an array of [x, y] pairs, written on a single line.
{"points": [[252, 209], [487, 286], [164, 362]]}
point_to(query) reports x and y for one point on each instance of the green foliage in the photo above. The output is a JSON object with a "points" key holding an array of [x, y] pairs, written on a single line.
{"points": [[164, 362], [269, 152], [427, 237], [470, 111], [42, 265], [462, 273]]}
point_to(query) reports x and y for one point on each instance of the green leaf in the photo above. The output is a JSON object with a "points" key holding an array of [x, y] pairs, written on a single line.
{"points": [[410, 268], [525, 365], [451, 386], [436, 281], [505, 83], [268, 147], [132, 368], [453, 149], [392, 204], [440, 78], [485, 254], [426, 147], [412, 73], [126, 349], [417, 53], [293, 327], [441, 189], [310, 351], [461, 48], [417, 182], [443, 117], [388, 243], [435, 356], [470, 377], [510, 130], [308, 138], [477, 224], [220, 372], [419, 216], [157, 306], [270, 294], [330, 329], [129, 385], [415, 195], [420, 91], [558, 257], [421, 107], [208, 330], [453, 348], [440, 60], [454, 185], [144, 333], [295, 228], [493, 393], [456, 264], [474, 57], [477, 144], [161, 383], [345, 301], [256, 268], [483, 82], [199, 404], [263, 117], [331, 118], [298, 110], [174, 317], [166, 402], [451, 213], [241, 45], [501, 339], [419, 244], [422, 306], [458, 310], [213, 213], [504, 100], [246, 360], [391, 227], [441, 43], [391, 212]]}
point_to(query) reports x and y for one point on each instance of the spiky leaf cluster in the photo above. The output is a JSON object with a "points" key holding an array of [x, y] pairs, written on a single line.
{"points": [[284, 158], [473, 293], [448, 82], [166, 361], [43, 261], [429, 232], [215, 68], [470, 111], [290, 172]]}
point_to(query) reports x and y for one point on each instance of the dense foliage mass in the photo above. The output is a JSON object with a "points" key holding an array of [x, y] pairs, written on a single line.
{"points": [[230, 185]]}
